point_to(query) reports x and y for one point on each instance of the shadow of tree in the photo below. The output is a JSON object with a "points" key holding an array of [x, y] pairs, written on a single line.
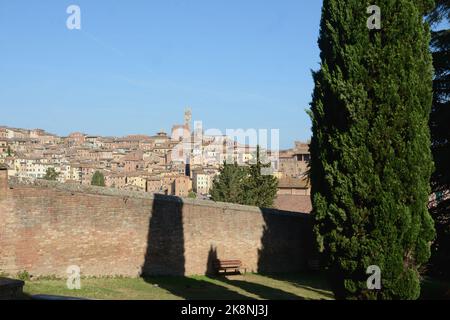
{"points": [[312, 281], [262, 291], [22, 296], [165, 240], [212, 257], [195, 289], [12, 289], [165, 255], [275, 250], [164, 264], [276, 254]]}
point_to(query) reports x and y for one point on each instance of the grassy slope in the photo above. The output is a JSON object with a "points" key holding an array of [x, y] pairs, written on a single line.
{"points": [[250, 286]]}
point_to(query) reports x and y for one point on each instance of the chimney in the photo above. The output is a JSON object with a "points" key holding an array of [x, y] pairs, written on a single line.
{"points": [[3, 181]]}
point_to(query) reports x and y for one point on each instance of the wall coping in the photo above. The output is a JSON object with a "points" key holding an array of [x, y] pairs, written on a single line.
{"points": [[104, 191]]}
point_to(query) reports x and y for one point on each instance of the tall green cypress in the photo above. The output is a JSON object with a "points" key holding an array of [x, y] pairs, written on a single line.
{"points": [[228, 185], [260, 190], [98, 179], [370, 151]]}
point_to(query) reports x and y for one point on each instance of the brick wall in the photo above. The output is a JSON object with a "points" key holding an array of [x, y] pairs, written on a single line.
{"points": [[3, 182], [46, 227]]}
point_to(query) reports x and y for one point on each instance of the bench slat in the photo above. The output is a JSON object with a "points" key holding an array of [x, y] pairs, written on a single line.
{"points": [[225, 265]]}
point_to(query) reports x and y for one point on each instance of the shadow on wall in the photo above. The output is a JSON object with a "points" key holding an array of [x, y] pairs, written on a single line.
{"points": [[276, 254], [165, 240], [212, 257], [165, 255]]}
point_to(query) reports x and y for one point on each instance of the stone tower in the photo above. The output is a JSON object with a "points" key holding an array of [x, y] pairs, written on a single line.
{"points": [[188, 119]]}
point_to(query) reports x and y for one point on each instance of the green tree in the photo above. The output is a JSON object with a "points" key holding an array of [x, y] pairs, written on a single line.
{"points": [[51, 174], [370, 150], [228, 186], [9, 152], [440, 137], [260, 189], [192, 195], [245, 185], [98, 179]]}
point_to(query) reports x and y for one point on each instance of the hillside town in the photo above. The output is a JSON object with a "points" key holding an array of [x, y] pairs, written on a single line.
{"points": [[163, 164]]}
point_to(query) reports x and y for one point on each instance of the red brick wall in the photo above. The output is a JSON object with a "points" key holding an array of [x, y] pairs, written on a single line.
{"points": [[3, 182], [46, 228]]}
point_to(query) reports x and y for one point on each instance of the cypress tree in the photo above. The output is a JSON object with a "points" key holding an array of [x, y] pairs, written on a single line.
{"points": [[260, 189], [98, 179], [245, 185], [370, 150], [228, 186]]}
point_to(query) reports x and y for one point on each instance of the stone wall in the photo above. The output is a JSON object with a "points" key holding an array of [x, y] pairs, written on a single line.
{"points": [[3, 182], [46, 227]]}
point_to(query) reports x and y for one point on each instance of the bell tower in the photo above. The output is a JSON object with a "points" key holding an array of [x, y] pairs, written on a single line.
{"points": [[188, 118]]}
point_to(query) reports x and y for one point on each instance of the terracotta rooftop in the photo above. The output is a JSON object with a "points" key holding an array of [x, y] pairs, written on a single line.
{"points": [[293, 183], [295, 203]]}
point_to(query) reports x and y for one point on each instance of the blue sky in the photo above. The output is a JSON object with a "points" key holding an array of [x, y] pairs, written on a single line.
{"points": [[135, 65]]}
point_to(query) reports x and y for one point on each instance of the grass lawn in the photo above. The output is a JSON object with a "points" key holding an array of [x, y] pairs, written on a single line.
{"points": [[249, 286]]}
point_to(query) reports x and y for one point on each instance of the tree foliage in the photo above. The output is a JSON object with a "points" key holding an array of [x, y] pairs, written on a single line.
{"points": [[51, 174], [370, 150], [228, 186], [98, 179], [245, 185], [260, 189], [192, 195]]}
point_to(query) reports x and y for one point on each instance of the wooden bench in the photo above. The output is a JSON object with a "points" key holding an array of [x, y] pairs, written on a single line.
{"points": [[229, 265]]}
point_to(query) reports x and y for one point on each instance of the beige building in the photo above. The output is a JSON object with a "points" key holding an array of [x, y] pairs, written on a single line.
{"points": [[76, 138], [133, 161], [87, 171], [201, 182], [3, 133], [293, 163], [115, 180], [32, 168], [3, 146], [182, 186], [75, 172], [138, 180], [155, 185]]}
